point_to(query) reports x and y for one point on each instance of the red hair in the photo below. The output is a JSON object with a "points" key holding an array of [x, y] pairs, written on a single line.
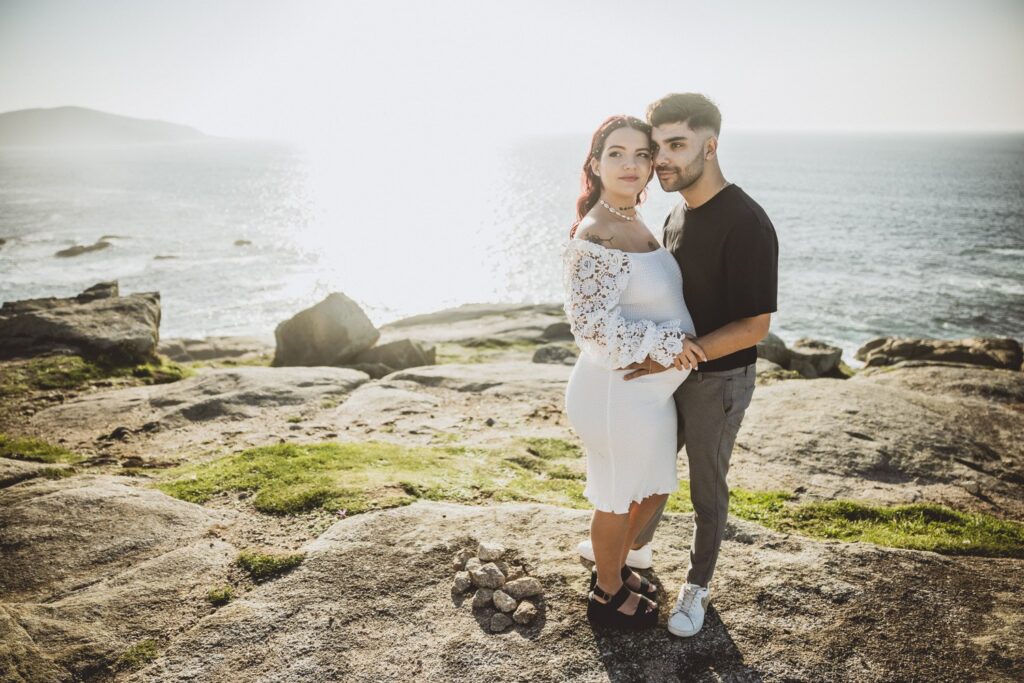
{"points": [[590, 183]]}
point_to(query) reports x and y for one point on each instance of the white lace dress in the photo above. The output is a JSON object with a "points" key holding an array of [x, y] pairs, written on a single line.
{"points": [[623, 307]]}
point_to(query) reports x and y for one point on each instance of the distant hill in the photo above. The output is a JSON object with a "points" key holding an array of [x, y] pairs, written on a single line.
{"points": [[73, 126]]}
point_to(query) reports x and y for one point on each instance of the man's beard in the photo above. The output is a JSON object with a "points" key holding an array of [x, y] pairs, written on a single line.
{"points": [[685, 177]]}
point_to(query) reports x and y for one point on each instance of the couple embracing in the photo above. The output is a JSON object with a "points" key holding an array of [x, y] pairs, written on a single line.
{"points": [[667, 336]]}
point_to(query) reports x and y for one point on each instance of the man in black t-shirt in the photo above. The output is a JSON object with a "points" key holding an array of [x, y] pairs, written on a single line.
{"points": [[728, 252]]}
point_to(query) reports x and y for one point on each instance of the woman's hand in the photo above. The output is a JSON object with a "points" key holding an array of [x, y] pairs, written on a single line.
{"points": [[687, 359], [649, 366]]}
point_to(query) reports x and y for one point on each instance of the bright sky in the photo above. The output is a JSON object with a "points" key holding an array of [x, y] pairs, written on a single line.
{"points": [[321, 69]]}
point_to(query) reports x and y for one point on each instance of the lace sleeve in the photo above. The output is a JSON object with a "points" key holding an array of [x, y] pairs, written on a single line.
{"points": [[593, 278]]}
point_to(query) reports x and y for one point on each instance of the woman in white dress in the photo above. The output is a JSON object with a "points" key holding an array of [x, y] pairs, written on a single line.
{"points": [[624, 302]]}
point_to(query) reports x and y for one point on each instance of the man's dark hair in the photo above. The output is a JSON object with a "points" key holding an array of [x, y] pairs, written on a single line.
{"points": [[693, 109]]}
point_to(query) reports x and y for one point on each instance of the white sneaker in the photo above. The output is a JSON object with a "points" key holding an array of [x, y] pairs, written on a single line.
{"points": [[687, 616], [642, 558]]}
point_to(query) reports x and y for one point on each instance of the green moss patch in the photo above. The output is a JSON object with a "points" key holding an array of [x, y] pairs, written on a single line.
{"points": [[776, 375], [262, 567], [35, 450], [484, 350], [161, 372], [845, 370], [921, 526], [763, 507], [841, 371], [221, 595], [553, 449], [444, 438], [357, 477], [47, 373], [293, 478], [57, 472], [137, 656]]}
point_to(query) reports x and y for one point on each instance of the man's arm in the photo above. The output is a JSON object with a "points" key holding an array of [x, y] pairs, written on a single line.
{"points": [[739, 334], [753, 264], [688, 359]]}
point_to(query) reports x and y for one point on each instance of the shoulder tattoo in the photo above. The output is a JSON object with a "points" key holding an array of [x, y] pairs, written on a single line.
{"points": [[598, 240]]}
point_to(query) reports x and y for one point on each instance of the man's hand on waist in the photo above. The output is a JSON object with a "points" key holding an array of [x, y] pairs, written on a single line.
{"points": [[688, 358]]}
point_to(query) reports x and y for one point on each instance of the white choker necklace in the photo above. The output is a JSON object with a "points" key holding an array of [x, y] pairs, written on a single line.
{"points": [[617, 212]]}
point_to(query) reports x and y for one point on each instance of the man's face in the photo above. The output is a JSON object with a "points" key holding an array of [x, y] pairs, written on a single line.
{"points": [[679, 155]]}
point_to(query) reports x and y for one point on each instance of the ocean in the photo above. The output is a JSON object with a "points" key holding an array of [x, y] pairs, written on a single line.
{"points": [[879, 234]]}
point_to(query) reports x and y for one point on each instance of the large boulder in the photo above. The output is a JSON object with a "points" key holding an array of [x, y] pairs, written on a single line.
{"points": [[399, 355], [765, 366], [374, 370], [559, 331], [98, 323], [332, 332], [772, 348], [79, 249], [991, 353], [100, 290], [807, 357], [769, 371], [812, 358], [555, 354]]}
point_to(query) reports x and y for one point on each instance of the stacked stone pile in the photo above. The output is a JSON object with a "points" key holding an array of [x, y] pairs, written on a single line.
{"points": [[498, 585]]}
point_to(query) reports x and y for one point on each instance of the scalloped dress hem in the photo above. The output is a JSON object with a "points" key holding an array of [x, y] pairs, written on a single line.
{"points": [[622, 510]]}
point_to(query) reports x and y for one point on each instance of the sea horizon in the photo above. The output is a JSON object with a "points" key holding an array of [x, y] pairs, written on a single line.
{"points": [[881, 233]]}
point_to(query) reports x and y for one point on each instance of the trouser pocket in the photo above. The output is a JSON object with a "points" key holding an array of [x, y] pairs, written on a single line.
{"points": [[737, 392]]}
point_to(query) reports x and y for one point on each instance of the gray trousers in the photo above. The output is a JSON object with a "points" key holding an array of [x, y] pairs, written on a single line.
{"points": [[710, 408]]}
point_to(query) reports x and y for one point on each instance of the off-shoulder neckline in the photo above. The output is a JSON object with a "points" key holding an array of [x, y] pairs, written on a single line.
{"points": [[631, 253]]}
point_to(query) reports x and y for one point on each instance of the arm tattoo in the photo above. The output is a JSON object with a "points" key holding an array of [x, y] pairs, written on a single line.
{"points": [[598, 240]]}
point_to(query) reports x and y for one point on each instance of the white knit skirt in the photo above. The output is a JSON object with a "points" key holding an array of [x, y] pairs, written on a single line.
{"points": [[628, 430]]}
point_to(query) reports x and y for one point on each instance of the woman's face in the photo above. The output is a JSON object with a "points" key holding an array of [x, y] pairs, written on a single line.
{"points": [[625, 164]]}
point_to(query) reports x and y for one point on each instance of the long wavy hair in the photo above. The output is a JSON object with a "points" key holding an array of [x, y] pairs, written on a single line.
{"points": [[590, 183]]}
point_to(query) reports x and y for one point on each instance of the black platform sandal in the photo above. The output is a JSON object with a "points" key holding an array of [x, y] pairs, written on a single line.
{"points": [[608, 614], [647, 589]]}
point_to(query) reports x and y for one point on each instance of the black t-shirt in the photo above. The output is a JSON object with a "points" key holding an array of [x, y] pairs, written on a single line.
{"points": [[729, 256]]}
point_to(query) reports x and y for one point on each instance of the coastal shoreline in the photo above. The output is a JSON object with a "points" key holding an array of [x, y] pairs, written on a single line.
{"points": [[197, 498]]}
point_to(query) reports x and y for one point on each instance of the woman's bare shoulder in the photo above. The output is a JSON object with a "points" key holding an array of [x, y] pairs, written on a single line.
{"points": [[596, 229]]}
